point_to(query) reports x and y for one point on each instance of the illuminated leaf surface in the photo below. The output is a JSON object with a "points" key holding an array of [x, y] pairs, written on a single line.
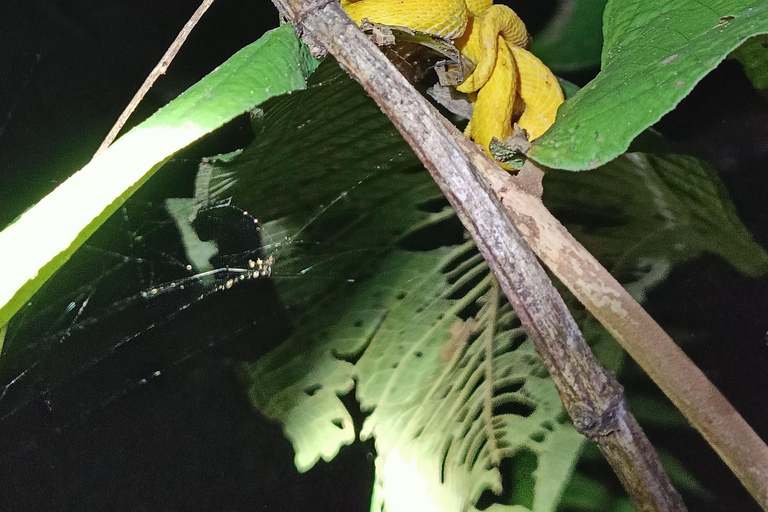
{"points": [[388, 298], [44, 237], [385, 279]]}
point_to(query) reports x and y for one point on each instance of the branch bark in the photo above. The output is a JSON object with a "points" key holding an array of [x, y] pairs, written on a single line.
{"points": [[592, 397]]}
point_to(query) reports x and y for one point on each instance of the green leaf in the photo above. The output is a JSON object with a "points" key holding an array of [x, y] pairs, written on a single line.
{"points": [[573, 38], [463, 412], [655, 52], [348, 215], [384, 303], [43, 238], [642, 214], [587, 495], [753, 56], [309, 172]]}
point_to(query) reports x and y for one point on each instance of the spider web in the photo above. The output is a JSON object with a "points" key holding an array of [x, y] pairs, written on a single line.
{"points": [[130, 306], [128, 318]]}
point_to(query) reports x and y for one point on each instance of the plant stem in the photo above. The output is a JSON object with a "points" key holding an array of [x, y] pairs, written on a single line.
{"points": [[158, 71], [592, 397]]}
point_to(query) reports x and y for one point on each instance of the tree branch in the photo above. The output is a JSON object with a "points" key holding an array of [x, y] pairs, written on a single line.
{"points": [[592, 397]]}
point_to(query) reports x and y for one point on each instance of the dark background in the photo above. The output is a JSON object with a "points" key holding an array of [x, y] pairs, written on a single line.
{"points": [[189, 439]]}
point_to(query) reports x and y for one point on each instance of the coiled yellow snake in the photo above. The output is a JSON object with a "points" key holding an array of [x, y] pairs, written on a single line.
{"points": [[495, 39]]}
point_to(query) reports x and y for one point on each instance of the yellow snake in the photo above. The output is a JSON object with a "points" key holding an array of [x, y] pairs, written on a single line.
{"points": [[495, 39]]}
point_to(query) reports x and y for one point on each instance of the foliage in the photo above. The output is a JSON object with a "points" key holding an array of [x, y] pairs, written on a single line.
{"points": [[408, 316], [573, 38], [275, 64], [753, 55], [654, 54], [389, 300]]}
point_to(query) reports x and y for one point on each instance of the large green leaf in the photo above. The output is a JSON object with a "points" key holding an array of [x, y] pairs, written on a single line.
{"points": [[464, 414], [388, 299], [43, 238], [362, 260], [655, 52], [573, 38], [309, 174], [641, 215], [631, 212]]}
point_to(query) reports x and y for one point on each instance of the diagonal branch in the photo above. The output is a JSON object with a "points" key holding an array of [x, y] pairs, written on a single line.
{"points": [[592, 396]]}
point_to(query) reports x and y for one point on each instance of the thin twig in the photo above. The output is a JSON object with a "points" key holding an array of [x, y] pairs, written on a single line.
{"points": [[590, 394], [156, 73]]}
